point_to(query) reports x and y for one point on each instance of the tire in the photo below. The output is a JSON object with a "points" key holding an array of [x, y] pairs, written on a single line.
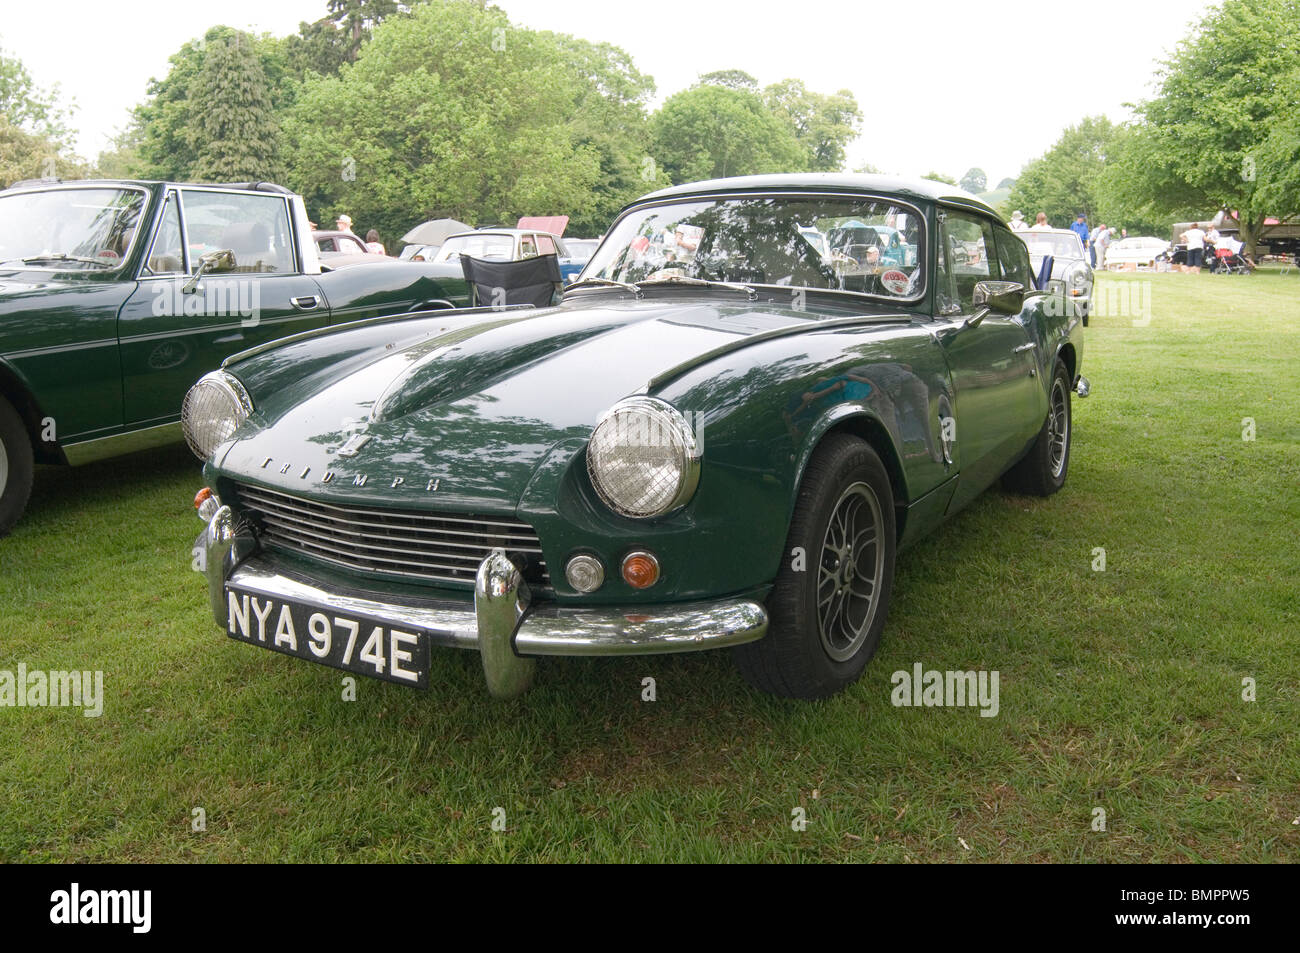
{"points": [[16, 467], [1044, 468], [812, 654]]}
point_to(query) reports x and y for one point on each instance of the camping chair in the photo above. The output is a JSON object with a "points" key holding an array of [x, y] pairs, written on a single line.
{"points": [[1044, 273], [533, 281]]}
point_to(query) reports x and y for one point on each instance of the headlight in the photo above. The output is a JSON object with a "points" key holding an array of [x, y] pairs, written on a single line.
{"points": [[213, 408], [1079, 277], [643, 458]]}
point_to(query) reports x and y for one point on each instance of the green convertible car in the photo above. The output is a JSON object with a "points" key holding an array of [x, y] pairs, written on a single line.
{"points": [[720, 438], [116, 295]]}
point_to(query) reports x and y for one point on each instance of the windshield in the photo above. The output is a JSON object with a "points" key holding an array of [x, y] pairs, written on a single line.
{"points": [[861, 245], [492, 247], [1058, 246], [95, 225]]}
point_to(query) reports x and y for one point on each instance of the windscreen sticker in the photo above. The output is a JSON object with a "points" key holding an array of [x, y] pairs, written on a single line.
{"points": [[895, 282]]}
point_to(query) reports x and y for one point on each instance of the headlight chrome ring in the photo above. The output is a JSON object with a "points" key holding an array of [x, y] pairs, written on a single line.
{"points": [[643, 458], [213, 409]]}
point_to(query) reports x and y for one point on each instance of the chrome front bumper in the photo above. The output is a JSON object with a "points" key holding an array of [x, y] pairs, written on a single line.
{"points": [[507, 630]]}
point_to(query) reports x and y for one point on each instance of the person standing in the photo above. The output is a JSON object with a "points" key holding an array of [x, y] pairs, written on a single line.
{"points": [[1018, 221], [1100, 242], [343, 224], [373, 244], [1080, 228], [1040, 223], [1195, 238]]}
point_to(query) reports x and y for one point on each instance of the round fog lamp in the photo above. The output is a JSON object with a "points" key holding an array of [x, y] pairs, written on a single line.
{"points": [[640, 569], [585, 573]]}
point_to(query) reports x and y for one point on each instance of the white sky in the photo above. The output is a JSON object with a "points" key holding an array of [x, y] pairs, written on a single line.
{"points": [[943, 85]]}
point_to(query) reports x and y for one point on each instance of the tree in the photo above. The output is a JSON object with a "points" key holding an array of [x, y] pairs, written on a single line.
{"points": [[730, 78], [975, 180], [170, 120], [28, 107], [1222, 110], [716, 131], [449, 111], [324, 45], [1007, 183], [234, 135], [1064, 180], [1279, 155], [606, 114], [30, 155], [822, 125], [940, 177]]}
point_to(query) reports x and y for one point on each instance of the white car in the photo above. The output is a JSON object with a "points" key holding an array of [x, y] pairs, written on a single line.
{"points": [[1135, 250], [1071, 274]]}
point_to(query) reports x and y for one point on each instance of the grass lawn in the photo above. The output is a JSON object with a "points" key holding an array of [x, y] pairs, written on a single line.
{"points": [[1120, 689]]}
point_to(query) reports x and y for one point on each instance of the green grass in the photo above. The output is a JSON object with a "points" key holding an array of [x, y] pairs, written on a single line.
{"points": [[1119, 689]]}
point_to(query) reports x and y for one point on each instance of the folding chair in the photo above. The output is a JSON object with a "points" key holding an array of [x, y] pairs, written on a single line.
{"points": [[534, 281]]}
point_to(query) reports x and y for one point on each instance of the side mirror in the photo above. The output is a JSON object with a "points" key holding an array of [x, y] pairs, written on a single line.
{"points": [[222, 259], [1004, 297]]}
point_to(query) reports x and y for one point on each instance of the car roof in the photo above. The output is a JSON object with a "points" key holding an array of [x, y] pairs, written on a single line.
{"points": [[1050, 231], [503, 231], [147, 183], [907, 188]]}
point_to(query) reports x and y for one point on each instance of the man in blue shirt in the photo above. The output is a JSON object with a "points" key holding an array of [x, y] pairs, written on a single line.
{"points": [[1080, 228]]}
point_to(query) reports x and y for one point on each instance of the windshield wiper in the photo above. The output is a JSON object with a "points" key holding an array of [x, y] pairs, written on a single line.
{"points": [[703, 283], [607, 282], [61, 257]]}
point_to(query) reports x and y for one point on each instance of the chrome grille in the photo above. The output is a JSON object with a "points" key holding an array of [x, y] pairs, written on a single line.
{"points": [[437, 547]]}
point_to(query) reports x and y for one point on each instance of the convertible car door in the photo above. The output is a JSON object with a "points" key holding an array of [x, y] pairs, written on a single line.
{"points": [[992, 362], [172, 330]]}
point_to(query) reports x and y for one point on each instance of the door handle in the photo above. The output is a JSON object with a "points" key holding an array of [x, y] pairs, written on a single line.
{"points": [[304, 302], [1025, 347]]}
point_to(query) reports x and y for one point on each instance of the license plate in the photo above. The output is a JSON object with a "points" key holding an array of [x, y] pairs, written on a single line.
{"points": [[343, 640]]}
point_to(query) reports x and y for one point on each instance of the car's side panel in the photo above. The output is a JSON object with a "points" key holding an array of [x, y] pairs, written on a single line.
{"points": [[60, 339], [759, 413]]}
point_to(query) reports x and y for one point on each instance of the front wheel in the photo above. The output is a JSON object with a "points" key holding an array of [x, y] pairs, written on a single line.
{"points": [[16, 467], [1043, 470], [831, 596]]}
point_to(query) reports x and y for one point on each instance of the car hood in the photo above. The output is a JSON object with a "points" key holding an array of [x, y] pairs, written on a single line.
{"points": [[460, 412]]}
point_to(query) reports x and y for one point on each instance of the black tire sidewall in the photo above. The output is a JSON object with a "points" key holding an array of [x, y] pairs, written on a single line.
{"points": [[794, 606], [18, 448], [1061, 374]]}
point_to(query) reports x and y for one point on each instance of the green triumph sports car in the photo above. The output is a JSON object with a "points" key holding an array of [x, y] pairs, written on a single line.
{"points": [[116, 295], [721, 437]]}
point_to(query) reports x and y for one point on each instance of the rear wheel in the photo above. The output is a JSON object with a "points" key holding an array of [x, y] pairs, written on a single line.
{"points": [[16, 466], [1043, 470], [831, 596]]}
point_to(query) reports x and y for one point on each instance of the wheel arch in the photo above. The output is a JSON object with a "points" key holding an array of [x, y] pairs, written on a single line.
{"points": [[1068, 356], [15, 390], [870, 429]]}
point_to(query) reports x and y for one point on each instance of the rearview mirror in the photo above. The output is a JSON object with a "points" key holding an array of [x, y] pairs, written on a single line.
{"points": [[1005, 297]]}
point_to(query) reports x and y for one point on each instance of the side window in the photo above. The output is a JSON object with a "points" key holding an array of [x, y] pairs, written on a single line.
{"points": [[527, 247], [165, 256], [970, 254], [545, 245], [1013, 256], [254, 226]]}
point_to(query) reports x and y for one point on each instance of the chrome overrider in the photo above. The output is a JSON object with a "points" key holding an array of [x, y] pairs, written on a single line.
{"points": [[509, 630]]}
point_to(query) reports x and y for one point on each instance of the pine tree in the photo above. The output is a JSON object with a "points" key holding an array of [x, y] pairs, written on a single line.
{"points": [[234, 130]]}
